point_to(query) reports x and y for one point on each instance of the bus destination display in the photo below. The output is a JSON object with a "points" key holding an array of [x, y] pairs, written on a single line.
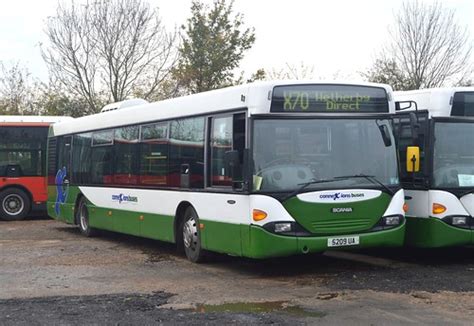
{"points": [[329, 99]]}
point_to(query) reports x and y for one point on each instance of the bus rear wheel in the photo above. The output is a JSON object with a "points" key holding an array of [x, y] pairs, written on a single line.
{"points": [[15, 204], [191, 236], [83, 219]]}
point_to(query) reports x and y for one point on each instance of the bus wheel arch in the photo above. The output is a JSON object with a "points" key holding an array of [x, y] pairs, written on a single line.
{"points": [[15, 203]]}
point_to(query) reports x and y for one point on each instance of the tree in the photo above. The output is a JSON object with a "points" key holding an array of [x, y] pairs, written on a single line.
{"points": [[386, 71], [291, 71], [260, 74], [428, 45], [55, 100], [18, 91], [110, 47], [212, 47]]}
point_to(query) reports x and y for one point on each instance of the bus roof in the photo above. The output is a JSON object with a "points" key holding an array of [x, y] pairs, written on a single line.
{"points": [[255, 96], [32, 119], [437, 101]]}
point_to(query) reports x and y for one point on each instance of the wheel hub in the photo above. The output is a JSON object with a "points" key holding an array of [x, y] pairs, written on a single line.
{"points": [[13, 204], [190, 234]]}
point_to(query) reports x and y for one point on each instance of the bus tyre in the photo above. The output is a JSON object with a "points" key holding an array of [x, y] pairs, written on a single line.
{"points": [[15, 204], [191, 236], [83, 219]]}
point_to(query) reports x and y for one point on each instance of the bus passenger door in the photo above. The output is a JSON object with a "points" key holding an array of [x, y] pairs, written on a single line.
{"points": [[226, 139]]}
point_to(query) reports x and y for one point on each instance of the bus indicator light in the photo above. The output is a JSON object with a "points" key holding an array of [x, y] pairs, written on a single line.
{"points": [[438, 208], [405, 207], [258, 215]]}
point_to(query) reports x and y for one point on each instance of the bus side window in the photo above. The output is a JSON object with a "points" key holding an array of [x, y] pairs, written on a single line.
{"points": [[220, 143], [186, 150], [81, 162], [227, 134], [154, 152]]}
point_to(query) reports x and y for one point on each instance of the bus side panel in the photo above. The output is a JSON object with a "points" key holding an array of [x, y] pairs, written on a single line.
{"points": [[125, 221], [36, 186], [158, 227], [433, 233], [426, 229], [151, 213], [418, 203], [222, 237], [62, 202]]}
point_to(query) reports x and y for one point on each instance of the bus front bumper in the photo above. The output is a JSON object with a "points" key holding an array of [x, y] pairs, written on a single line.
{"points": [[431, 232], [264, 244]]}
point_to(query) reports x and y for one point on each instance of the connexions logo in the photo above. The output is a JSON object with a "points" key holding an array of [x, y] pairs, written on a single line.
{"points": [[125, 198], [342, 195]]}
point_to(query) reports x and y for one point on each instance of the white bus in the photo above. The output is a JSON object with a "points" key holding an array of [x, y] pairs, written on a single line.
{"points": [[259, 170], [440, 195]]}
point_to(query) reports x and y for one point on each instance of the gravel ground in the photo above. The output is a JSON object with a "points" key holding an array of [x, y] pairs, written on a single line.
{"points": [[120, 309], [50, 274]]}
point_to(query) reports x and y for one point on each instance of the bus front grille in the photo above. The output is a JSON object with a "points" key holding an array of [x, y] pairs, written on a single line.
{"points": [[341, 226]]}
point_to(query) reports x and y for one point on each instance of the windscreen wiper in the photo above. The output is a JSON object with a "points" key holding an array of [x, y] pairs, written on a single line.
{"points": [[371, 178], [470, 191]]}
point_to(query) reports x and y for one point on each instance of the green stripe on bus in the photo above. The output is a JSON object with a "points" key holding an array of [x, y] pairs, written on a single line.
{"points": [[433, 233], [264, 244]]}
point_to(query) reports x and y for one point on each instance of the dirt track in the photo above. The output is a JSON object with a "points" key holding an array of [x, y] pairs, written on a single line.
{"points": [[50, 274]]}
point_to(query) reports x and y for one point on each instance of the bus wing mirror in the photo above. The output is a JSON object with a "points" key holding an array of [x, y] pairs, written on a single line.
{"points": [[413, 159], [405, 105], [385, 132]]}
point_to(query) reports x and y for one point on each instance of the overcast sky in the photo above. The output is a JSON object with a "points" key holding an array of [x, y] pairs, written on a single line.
{"points": [[334, 36]]}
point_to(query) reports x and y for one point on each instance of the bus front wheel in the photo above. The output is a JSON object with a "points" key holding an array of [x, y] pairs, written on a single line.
{"points": [[15, 204], [83, 219], [191, 236]]}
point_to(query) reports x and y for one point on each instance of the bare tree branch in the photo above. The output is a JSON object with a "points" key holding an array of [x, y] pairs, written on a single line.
{"points": [[428, 45], [115, 48]]}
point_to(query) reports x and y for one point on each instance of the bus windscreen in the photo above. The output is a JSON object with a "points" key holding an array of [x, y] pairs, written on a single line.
{"points": [[463, 104], [329, 99]]}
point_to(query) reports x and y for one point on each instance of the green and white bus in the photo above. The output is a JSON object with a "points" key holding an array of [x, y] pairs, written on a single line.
{"points": [[440, 195], [260, 170]]}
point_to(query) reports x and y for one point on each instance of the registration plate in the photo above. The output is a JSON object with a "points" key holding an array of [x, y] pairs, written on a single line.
{"points": [[343, 241]]}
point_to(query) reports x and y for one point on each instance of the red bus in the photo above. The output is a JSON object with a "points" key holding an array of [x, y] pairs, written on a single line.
{"points": [[23, 184]]}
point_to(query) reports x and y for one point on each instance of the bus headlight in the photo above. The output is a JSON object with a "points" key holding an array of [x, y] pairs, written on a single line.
{"points": [[282, 227], [459, 220], [286, 228], [392, 220], [388, 222]]}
